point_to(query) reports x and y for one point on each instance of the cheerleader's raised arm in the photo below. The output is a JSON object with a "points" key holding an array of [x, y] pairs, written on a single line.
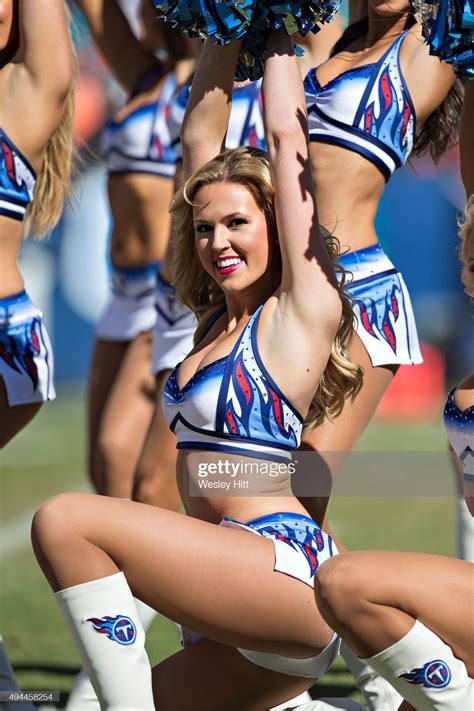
{"points": [[39, 80], [308, 300], [208, 110]]}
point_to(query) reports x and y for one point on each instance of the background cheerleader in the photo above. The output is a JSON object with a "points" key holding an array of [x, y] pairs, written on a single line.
{"points": [[467, 172], [140, 165], [363, 104], [36, 73], [459, 409], [35, 153]]}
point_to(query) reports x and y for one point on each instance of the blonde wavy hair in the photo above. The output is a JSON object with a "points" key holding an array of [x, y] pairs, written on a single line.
{"points": [[250, 167], [466, 233], [54, 180]]}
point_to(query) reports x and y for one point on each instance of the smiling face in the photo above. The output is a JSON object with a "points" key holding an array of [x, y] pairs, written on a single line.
{"points": [[232, 239], [8, 23]]}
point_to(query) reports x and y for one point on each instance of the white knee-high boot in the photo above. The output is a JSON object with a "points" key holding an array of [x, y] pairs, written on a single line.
{"points": [[103, 618], [378, 693], [425, 671], [83, 696]]}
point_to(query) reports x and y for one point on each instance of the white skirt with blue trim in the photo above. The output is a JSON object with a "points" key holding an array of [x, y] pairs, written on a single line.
{"points": [[131, 310], [26, 355], [173, 331], [385, 321]]}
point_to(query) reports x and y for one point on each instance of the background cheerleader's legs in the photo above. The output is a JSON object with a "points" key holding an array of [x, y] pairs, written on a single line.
{"points": [[155, 479], [121, 402], [13, 419]]}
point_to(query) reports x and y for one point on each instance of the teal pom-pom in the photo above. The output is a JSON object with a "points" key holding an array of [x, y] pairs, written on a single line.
{"points": [[448, 27], [224, 21]]}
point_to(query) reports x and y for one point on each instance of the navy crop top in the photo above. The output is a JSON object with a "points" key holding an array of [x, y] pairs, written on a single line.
{"points": [[17, 180], [233, 405], [460, 429], [367, 109], [246, 126], [139, 143]]}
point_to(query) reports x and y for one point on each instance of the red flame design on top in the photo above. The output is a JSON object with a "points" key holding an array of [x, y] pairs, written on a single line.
{"points": [[242, 380], [100, 624], [231, 422], [159, 147], [386, 92], [368, 119], [276, 407], [406, 117], [9, 163]]}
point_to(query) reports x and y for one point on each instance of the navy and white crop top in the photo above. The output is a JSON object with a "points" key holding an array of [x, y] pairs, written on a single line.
{"points": [[139, 143], [246, 126], [233, 405], [460, 429], [17, 180], [367, 109]]}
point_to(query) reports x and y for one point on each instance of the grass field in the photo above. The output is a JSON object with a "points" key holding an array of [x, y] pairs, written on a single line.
{"points": [[48, 457]]}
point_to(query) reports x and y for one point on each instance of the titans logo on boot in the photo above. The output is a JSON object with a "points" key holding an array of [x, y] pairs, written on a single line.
{"points": [[433, 675], [119, 629]]}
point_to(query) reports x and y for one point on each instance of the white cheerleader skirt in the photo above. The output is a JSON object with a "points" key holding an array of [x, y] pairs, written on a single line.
{"points": [[26, 355], [385, 321], [131, 310], [174, 328], [300, 548]]}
